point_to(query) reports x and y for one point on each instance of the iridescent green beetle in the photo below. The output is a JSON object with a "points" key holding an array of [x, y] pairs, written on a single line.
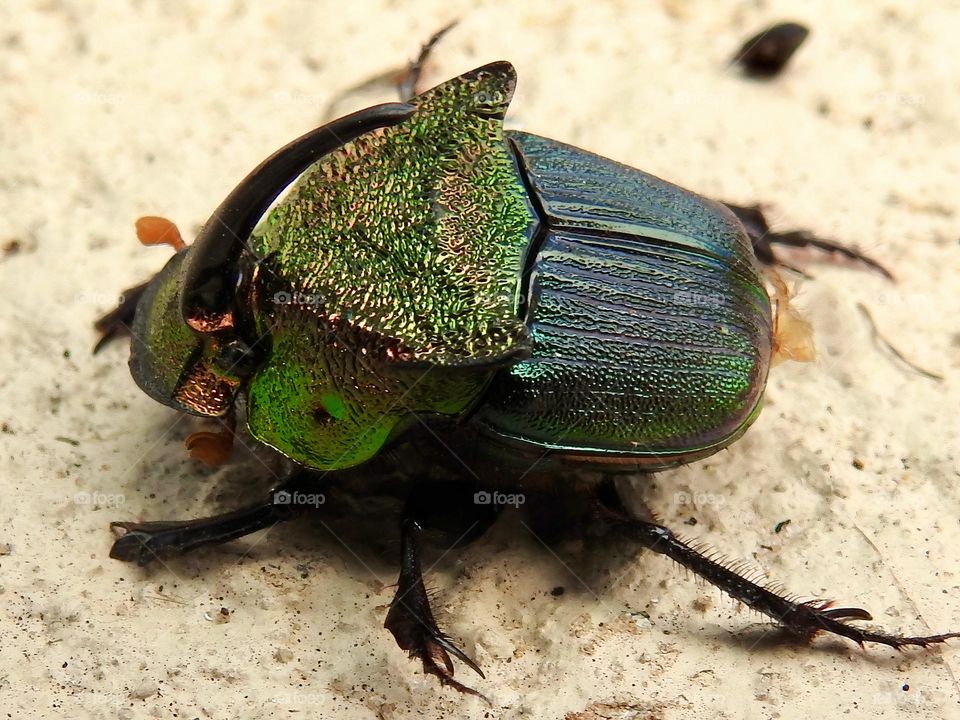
{"points": [[528, 302]]}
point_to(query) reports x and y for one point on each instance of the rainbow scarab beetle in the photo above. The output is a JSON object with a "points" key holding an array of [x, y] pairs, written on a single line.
{"points": [[522, 301]]}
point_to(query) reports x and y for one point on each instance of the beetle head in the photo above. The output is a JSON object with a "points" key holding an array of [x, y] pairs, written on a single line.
{"points": [[172, 363]]}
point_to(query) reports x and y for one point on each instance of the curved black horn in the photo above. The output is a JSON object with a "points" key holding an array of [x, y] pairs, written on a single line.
{"points": [[207, 294]]}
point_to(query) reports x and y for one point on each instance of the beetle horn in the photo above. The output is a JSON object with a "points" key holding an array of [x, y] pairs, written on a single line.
{"points": [[209, 280]]}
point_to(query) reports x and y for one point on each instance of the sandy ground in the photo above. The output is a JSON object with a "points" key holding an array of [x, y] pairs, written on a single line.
{"points": [[125, 109]]}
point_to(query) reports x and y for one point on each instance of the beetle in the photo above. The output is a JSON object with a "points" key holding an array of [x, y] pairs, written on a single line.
{"points": [[523, 301], [765, 54]]}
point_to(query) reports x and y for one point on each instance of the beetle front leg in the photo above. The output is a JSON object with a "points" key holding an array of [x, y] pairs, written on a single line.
{"points": [[117, 322], [151, 230], [805, 619], [763, 239], [410, 618], [143, 542]]}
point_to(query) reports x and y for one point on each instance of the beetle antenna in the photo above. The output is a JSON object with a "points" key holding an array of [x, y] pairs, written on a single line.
{"points": [[153, 230]]}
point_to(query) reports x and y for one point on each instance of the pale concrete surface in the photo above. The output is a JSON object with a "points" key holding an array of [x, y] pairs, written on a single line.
{"points": [[114, 110]]}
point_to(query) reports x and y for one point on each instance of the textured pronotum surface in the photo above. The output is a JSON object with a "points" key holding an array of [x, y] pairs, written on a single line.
{"points": [[399, 252], [414, 232]]}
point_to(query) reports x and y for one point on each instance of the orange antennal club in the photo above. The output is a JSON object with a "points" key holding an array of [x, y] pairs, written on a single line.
{"points": [[152, 230]]}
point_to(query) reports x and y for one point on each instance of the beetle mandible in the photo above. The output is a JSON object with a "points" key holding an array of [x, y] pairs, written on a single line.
{"points": [[525, 300]]}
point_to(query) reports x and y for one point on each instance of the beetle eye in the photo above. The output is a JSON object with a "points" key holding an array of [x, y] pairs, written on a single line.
{"points": [[235, 358]]}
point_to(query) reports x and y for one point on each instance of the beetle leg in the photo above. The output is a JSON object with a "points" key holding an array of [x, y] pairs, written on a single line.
{"points": [[805, 619], [405, 80], [143, 542], [410, 617], [409, 84], [763, 239], [117, 322]]}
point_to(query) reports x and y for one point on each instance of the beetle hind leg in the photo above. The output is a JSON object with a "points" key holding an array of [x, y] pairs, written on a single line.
{"points": [[764, 240], [409, 85], [405, 80], [410, 618], [804, 619], [143, 542]]}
